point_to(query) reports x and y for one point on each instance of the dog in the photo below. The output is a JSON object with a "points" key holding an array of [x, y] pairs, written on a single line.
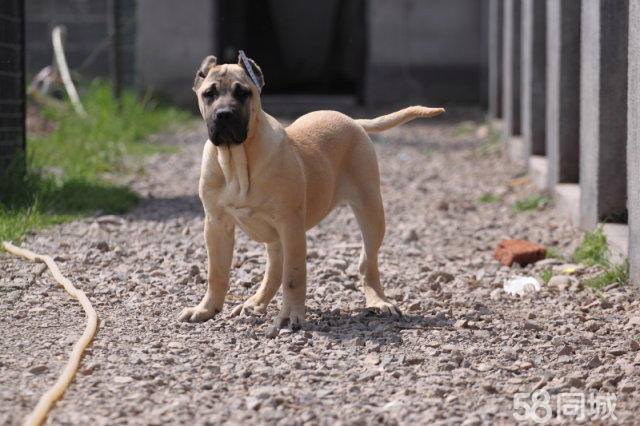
{"points": [[275, 183]]}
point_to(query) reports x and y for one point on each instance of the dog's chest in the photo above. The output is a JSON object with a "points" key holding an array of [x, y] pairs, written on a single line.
{"points": [[232, 195], [253, 222]]}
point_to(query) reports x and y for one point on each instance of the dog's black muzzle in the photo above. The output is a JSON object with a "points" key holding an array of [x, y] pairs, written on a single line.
{"points": [[227, 127]]}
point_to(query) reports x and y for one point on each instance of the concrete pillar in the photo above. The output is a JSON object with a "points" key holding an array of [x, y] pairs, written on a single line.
{"points": [[495, 58], [603, 111], [563, 91], [511, 69], [534, 60], [633, 142]]}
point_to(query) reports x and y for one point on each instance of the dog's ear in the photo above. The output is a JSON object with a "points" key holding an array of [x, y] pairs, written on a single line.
{"points": [[208, 63], [255, 68]]}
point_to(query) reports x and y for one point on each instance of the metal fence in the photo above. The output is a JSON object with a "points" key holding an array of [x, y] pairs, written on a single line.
{"points": [[100, 39], [12, 85]]}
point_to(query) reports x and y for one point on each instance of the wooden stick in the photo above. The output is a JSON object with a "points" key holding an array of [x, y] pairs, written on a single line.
{"points": [[43, 407]]}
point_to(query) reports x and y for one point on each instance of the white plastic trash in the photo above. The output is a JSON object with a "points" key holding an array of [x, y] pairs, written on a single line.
{"points": [[521, 285]]}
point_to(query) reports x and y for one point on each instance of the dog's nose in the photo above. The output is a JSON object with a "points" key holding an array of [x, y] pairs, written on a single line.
{"points": [[223, 113]]}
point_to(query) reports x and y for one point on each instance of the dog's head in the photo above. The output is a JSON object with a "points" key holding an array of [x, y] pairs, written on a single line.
{"points": [[227, 97]]}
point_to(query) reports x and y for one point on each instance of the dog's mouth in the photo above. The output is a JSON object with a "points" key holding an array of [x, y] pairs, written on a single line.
{"points": [[231, 132]]}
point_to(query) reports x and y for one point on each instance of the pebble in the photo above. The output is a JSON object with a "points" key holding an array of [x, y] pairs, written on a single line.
{"points": [[345, 366]]}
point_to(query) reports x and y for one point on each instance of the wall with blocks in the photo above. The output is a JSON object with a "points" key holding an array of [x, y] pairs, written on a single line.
{"points": [[564, 86]]}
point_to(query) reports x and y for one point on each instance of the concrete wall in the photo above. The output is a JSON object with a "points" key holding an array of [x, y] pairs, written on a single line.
{"points": [[427, 50], [172, 41]]}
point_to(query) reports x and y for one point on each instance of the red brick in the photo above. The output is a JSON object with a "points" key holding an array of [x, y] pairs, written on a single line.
{"points": [[519, 251]]}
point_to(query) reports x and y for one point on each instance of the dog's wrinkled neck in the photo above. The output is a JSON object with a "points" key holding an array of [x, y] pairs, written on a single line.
{"points": [[233, 162]]}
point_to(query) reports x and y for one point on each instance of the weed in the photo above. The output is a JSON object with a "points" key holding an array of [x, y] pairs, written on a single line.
{"points": [[546, 275], [463, 128], [489, 198], [593, 249], [532, 202], [555, 254], [615, 274], [429, 152]]}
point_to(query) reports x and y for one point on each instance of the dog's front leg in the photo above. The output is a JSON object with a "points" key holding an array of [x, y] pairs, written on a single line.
{"points": [[294, 280], [219, 239]]}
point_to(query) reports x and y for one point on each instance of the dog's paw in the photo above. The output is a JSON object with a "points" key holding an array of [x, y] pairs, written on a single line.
{"points": [[295, 318], [249, 307], [385, 308], [197, 314]]}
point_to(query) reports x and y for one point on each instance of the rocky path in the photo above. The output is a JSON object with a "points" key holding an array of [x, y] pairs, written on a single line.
{"points": [[460, 354]]}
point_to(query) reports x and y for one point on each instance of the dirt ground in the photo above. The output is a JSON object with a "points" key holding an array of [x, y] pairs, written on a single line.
{"points": [[459, 355]]}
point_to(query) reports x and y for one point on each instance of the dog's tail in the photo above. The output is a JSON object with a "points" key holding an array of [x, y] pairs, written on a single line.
{"points": [[385, 122]]}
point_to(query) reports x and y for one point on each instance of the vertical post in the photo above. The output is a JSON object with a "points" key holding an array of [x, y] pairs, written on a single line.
{"points": [[633, 143], [511, 70], [12, 87], [533, 77], [495, 58], [603, 111], [115, 71], [563, 92]]}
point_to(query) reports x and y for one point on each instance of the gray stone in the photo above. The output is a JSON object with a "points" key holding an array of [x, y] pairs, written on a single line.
{"points": [[563, 92], [603, 111]]}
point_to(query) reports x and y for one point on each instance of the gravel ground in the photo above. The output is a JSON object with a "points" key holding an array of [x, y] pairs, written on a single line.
{"points": [[461, 352]]}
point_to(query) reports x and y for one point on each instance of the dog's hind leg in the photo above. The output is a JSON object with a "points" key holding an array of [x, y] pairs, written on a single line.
{"points": [[368, 209], [270, 283]]}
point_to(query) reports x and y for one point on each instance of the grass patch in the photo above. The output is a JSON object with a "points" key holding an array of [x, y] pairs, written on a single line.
{"points": [[463, 128], [489, 198], [546, 275], [492, 144], [593, 249], [86, 148], [429, 152], [616, 274], [555, 254], [82, 151], [531, 203]]}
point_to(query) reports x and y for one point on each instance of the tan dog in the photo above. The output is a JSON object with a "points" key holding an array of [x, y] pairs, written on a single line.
{"points": [[275, 183]]}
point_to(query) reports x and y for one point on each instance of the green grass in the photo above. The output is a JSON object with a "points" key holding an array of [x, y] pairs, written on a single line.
{"points": [[555, 254], [489, 198], [464, 128], [612, 275], [546, 275], [86, 148], [491, 145], [593, 249], [531, 203], [429, 152], [83, 150]]}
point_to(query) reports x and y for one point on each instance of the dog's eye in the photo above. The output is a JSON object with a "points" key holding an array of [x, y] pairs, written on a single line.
{"points": [[210, 93], [241, 92]]}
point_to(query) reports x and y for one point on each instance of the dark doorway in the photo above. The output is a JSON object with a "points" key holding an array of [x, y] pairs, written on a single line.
{"points": [[315, 48]]}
